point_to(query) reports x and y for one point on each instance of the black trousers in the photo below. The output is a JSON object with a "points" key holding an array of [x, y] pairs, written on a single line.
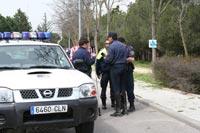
{"points": [[104, 83], [118, 80], [130, 84]]}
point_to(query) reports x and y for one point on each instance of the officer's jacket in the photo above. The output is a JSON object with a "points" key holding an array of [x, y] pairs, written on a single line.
{"points": [[117, 54], [82, 60], [131, 53]]}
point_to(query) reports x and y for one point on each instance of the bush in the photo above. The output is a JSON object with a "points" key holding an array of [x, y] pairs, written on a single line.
{"points": [[176, 72]]}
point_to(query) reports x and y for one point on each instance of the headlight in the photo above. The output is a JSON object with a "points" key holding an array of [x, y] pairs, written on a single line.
{"points": [[6, 95], [87, 90]]}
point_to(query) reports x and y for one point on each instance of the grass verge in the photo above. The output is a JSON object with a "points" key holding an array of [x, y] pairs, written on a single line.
{"points": [[145, 64], [148, 78]]}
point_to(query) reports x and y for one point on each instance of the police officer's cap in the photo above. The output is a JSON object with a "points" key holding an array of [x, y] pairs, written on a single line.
{"points": [[113, 35]]}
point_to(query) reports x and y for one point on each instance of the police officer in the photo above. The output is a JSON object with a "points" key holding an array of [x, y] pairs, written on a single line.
{"points": [[129, 75], [82, 59], [116, 58], [103, 71]]}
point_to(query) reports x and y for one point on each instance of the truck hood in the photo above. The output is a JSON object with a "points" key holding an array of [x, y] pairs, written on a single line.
{"points": [[42, 78]]}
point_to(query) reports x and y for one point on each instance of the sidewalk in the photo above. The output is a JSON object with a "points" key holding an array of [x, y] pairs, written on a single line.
{"points": [[186, 104], [178, 104]]}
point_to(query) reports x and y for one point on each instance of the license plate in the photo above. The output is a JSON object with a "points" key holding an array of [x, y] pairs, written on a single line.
{"points": [[35, 110]]}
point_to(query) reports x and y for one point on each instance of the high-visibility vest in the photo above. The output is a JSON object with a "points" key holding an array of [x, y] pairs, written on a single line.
{"points": [[99, 55]]}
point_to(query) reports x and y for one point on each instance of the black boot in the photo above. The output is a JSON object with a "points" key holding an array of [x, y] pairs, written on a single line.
{"points": [[103, 103], [117, 112], [124, 104], [132, 107], [112, 103]]}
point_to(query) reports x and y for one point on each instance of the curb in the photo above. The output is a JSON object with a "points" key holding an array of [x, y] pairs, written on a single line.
{"points": [[193, 123]]}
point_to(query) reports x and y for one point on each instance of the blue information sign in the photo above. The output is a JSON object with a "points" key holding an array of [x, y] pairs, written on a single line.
{"points": [[153, 43]]}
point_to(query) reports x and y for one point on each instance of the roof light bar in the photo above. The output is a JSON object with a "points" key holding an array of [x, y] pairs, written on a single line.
{"points": [[33, 35], [41, 35], [16, 35], [47, 35], [25, 35], [7, 35], [1, 36]]}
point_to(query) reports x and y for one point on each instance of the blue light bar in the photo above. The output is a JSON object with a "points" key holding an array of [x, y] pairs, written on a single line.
{"points": [[7, 35], [47, 35], [1, 36], [41, 35], [33, 35], [25, 35], [16, 35]]}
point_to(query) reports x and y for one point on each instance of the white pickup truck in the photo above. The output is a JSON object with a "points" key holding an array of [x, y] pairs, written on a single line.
{"points": [[39, 87]]}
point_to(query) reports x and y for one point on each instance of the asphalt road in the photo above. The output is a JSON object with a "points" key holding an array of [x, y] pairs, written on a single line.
{"points": [[144, 120]]}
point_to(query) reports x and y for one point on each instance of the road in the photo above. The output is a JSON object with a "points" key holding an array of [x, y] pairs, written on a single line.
{"points": [[144, 120]]}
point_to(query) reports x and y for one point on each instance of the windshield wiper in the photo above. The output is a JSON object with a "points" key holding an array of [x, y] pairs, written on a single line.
{"points": [[40, 66], [43, 66], [9, 68]]}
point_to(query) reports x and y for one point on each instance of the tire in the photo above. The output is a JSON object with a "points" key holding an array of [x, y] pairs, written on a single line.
{"points": [[85, 128], [12, 130]]}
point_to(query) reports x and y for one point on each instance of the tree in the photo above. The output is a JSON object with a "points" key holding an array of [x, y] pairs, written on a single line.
{"points": [[109, 6], [3, 24], [55, 38], [88, 13], [158, 8], [182, 13], [11, 24], [66, 18], [21, 21], [138, 28], [45, 25], [98, 14]]}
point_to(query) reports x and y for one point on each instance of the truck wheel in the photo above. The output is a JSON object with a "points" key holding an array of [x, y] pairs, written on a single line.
{"points": [[12, 131], [85, 127]]}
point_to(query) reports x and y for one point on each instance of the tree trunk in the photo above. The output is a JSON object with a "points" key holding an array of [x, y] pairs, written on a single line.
{"points": [[180, 20], [97, 31], [153, 26], [88, 32], [183, 39], [108, 21]]}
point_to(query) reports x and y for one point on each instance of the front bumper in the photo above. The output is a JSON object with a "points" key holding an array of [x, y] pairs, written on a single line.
{"points": [[16, 115]]}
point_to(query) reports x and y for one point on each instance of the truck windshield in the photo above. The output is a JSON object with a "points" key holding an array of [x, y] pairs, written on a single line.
{"points": [[32, 56]]}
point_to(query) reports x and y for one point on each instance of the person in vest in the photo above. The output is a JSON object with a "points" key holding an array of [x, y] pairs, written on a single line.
{"points": [[104, 73]]}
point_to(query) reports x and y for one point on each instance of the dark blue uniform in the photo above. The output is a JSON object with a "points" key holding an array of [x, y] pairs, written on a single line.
{"points": [[82, 61], [104, 70], [116, 58], [130, 78]]}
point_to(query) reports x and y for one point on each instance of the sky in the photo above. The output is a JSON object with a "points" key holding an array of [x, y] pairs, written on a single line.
{"points": [[35, 9]]}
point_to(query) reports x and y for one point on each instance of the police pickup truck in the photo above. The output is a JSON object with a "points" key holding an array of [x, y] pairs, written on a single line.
{"points": [[40, 88]]}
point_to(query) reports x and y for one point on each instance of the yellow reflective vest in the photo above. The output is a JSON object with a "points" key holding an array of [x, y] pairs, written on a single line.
{"points": [[99, 55]]}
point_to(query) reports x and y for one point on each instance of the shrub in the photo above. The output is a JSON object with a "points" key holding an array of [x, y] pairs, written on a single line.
{"points": [[176, 72]]}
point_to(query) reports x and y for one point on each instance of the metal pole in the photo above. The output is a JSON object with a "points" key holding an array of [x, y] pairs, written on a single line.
{"points": [[153, 30], [69, 40], [79, 18]]}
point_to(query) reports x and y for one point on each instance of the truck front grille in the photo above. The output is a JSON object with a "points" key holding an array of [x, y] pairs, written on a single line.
{"points": [[46, 93], [28, 94], [65, 92]]}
